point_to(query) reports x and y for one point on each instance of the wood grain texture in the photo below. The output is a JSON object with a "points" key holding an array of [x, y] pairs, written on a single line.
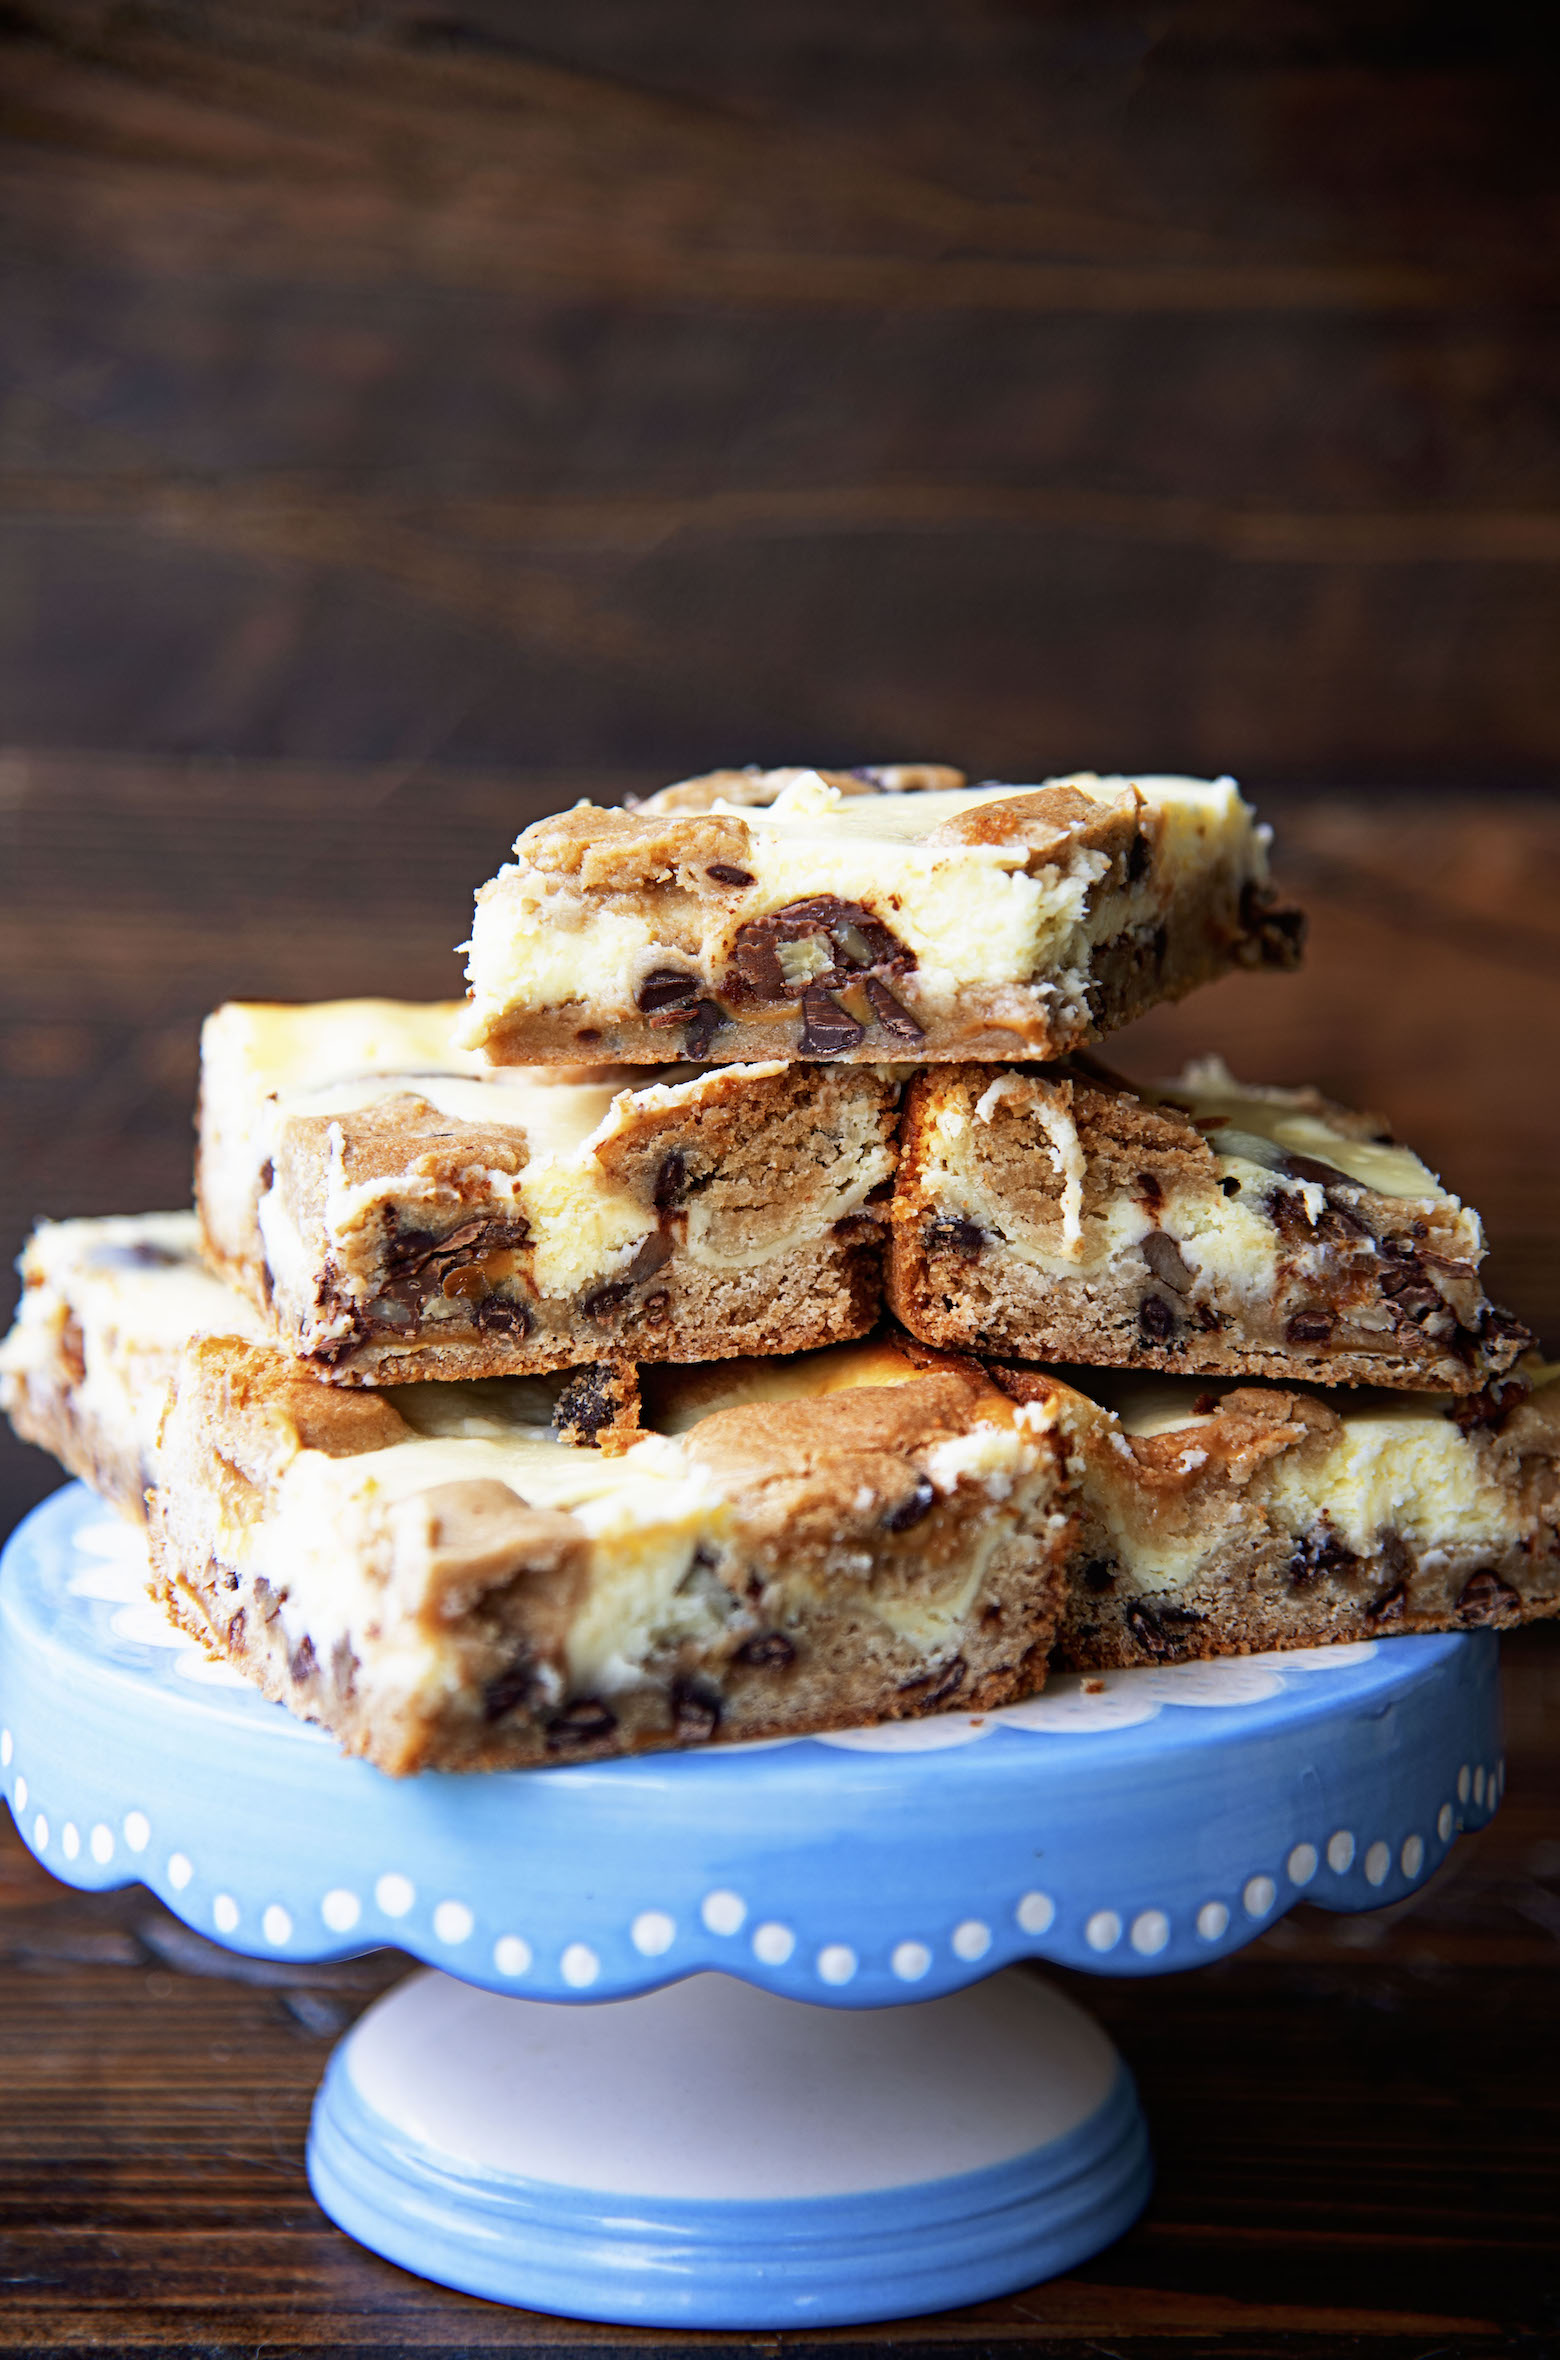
{"points": [[637, 383], [1356, 2122]]}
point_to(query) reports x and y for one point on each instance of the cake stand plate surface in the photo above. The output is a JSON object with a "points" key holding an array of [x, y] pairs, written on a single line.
{"points": [[709, 2155]]}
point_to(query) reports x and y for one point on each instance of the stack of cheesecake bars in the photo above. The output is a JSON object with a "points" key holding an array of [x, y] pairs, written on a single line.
{"points": [[522, 1390]]}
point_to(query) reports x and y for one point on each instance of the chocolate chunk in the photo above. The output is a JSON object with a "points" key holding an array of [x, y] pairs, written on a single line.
{"points": [[1320, 1555], [1150, 1190], [889, 1013], [1308, 1327], [652, 1256], [1310, 1167], [670, 1182], [585, 1722], [827, 1031], [910, 1511], [1165, 1260], [1485, 1598], [854, 939], [592, 1399], [1140, 854], [603, 1303], [696, 1708], [1230, 1185], [1156, 1319], [1160, 1631], [667, 989], [935, 1690], [301, 1662], [501, 1315], [1209, 1320], [707, 1019], [516, 1684], [726, 872], [1274, 931], [1488, 1410], [1099, 1575], [1390, 1605], [770, 1651], [952, 1234], [267, 1180]]}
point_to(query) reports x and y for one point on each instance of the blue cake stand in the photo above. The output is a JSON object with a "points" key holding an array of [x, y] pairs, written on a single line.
{"points": [[756, 2132]]}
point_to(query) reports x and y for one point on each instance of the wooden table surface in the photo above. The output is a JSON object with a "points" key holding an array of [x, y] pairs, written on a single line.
{"points": [[1357, 2121]]}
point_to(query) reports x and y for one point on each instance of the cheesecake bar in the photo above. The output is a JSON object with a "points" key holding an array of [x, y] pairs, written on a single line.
{"points": [[395, 1208], [790, 1545], [107, 1309], [1058, 1214], [867, 915], [1223, 1521]]}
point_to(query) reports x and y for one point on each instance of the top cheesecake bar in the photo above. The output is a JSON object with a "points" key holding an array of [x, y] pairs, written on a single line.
{"points": [[860, 916]]}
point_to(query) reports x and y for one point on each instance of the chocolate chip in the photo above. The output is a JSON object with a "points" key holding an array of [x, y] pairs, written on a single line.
{"points": [[1275, 932], [1230, 1185], [1320, 1555], [854, 938], [1160, 1631], [1150, 1190], [666, 989], [1308, 1327], [1156, 1319], [267, 1178], [952, 1234], [910, 1511], [771, 1651], [889, 1013], [827, 1031], [937, 1687], [591, 1399], [670, 1182], [1486, 1598], [501, 1315], [725, 872], [696, 1708], [301, 1663], [652, 1256], [515, 1684], [603, 1303], [1165, 1260], [1390, 1605], [707, 1019], [1099, 1575], [585, 1722], [1140, 855], [1490, 1408], [1310, 1167]]}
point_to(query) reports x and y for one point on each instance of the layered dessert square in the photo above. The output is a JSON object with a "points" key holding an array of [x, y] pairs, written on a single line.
{"points": [[107, 1309], [867, 915], [794, 1545], [1058, 1214], [396, 1209], [1223, 1520]]}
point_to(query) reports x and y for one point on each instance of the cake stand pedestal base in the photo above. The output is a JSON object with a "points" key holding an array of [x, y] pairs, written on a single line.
{"points": [[711, 2156]]}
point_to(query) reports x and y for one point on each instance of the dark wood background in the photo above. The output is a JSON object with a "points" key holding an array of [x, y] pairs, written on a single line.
{"points": [[413, 416]]}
